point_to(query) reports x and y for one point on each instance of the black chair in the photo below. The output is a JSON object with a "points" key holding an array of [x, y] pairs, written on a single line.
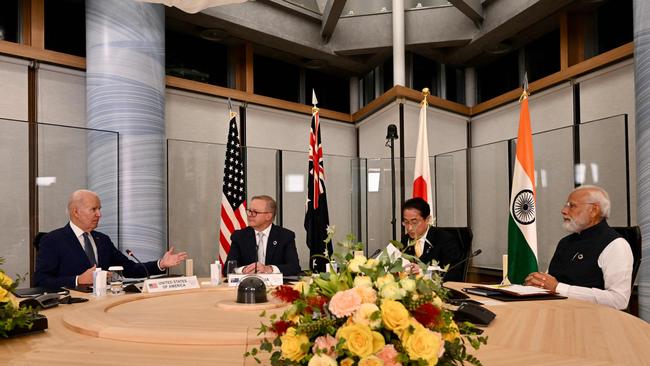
{"points": [[464, 235], [633, 236], [37, 240]]}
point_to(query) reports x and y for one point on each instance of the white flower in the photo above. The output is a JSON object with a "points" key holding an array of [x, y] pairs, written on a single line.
{"points": [[357, 261], [362, 281], [364, 313], [392, 291], [408, 284]]}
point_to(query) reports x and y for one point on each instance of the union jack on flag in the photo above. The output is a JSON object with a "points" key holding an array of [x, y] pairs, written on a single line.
{"points": [[316, 214]]}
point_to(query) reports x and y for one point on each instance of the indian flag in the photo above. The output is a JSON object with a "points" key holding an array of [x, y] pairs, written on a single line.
{"points": [[522, 231]]}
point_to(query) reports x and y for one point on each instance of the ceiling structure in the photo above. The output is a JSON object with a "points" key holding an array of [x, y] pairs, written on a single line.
{"points": [[351, 37]]}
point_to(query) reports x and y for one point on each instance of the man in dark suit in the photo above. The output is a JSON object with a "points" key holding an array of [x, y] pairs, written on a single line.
{"points": [[68, 256], [428, 242], [263, 247]]}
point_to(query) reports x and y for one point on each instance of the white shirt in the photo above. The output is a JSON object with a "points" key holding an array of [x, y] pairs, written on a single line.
{"points": [[262, 249], [616, 263]]}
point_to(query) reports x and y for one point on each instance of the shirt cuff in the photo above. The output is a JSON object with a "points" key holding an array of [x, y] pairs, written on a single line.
{"points": [[159, 267], [76, 281], [562, 289]]}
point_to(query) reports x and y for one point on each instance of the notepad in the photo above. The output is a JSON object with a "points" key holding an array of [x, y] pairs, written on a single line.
{"points": [[516, 290]]}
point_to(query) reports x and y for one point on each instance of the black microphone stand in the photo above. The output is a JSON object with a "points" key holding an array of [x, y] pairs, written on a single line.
{"points": [[391, 136]]}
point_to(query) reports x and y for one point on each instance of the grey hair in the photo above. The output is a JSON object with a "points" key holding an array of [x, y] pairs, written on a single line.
{"points": [[270, 203], [599, 196], [76, 197]]}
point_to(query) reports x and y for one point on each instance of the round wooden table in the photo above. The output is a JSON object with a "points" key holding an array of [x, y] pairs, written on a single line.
{"points": [[206, 327]]}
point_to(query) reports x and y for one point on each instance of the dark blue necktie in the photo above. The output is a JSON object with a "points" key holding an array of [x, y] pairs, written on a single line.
{"points": [[88, 248]]}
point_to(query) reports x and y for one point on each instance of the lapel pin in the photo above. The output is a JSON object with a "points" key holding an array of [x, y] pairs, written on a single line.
{"points": [[275, 242]]}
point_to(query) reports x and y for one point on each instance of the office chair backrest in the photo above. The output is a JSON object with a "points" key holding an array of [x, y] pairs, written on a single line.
{"points": [[464, 235], [37, 240], [633, 236]]}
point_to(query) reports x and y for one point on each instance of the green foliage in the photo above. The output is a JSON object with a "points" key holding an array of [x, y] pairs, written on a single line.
{"points": [[11, 316]]}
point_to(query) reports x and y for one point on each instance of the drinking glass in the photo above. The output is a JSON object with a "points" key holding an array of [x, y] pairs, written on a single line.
{"points": [[230, 267], [116, 280]]}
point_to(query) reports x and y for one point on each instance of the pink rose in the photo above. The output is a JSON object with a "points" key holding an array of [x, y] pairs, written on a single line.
{"points": [[388, 354], [326, 344], [345, 303]]}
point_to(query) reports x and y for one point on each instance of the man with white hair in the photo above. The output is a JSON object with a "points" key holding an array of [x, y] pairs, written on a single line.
{"points": [[69, 255], [594, 263]]}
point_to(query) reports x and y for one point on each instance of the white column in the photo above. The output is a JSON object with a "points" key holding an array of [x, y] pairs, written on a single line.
{"points": [[399, 74]]}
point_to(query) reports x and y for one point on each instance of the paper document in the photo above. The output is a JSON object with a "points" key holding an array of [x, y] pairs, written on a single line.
{"points": [[518, 290]]}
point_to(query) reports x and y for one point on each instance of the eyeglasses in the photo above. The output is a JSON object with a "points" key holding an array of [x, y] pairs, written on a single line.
{"points": [[253, 213], [572, 205], [415, 222]]}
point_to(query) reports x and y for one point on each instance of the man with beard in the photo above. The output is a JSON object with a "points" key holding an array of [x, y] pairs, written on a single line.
{"points": [[594, 263]]}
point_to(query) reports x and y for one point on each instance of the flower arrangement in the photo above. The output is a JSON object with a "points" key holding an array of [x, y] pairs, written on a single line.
{"points": [[11, 315], [372, 312]]}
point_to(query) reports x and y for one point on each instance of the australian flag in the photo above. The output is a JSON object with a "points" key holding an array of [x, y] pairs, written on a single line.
{"points": [[316, 214]]}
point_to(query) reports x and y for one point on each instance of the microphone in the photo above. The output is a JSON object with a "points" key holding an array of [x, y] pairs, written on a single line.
{"points": [[257, 255], [474, 254], [391, 133], [130, 254]]}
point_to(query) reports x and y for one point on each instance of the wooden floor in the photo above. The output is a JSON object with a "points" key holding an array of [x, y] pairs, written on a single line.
{"points": [[206, 327]]}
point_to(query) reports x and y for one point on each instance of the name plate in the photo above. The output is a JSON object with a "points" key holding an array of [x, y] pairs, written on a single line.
{"points": [[273, 279], [170, 284]]}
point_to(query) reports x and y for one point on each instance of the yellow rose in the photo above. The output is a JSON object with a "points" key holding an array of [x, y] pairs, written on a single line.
{"points": [[368, 294], [424, 344], [5, 281], [392, 291], [357, 261], [363, 315], [4, 295], [294, 346], [362, 281], [437, 302], [408, 284], [347, 362], [302, 287], [394, 314], [384, 280], [371, 263], [321, 360], [371, 361], [411, 326], [360, 340], [452, 332]]}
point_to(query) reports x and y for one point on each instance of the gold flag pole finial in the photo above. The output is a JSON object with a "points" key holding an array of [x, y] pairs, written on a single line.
{"points": [[425, 94], [314, 101], [525, 94], [230, 112]]}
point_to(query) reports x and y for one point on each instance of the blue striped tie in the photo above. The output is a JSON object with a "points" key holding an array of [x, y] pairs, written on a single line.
{"points": [[88, 248]]}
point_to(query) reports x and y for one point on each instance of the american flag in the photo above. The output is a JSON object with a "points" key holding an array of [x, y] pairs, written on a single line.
{"points": [[233, 199], [316, 214]]}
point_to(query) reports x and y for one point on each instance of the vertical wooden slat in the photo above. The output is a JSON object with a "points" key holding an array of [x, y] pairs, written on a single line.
{"points": [[249, 68], [564, 41], [576, 38], [33, 23]]}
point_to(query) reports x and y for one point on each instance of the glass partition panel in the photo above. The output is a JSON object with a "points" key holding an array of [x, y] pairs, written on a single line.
{"points": [[554, 180], [14, 195], [194, 186], [450, 182], [489, 192], [603, 162], [338, 185], [63, 168], [378, 203]]}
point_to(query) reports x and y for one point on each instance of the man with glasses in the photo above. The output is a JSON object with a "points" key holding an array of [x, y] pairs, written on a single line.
{"points": [[263, 247], [428, 242], [594, 263]]}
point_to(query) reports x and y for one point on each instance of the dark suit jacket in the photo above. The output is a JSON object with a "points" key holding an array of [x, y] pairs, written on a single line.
{"points": [[61, 258], [280, 249], [444, 248]]}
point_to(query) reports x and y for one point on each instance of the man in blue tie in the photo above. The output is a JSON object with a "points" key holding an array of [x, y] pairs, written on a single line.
{"points": [[68, 256]]}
